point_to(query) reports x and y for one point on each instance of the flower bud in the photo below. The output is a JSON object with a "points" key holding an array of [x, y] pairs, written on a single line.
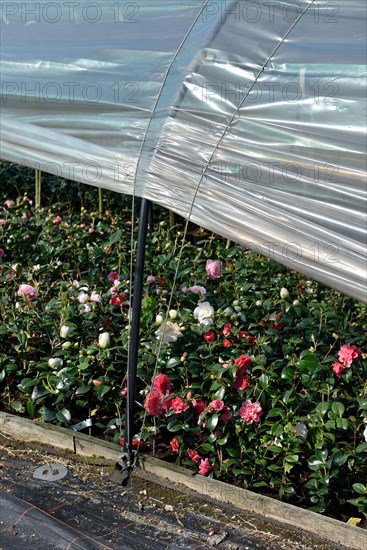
{"points": [[296, 302], [66, 345], [55, 363], [104, 340], [173, 313], [284, 294], [65, 331], [159, 319], [228, 312], [258, 303]]}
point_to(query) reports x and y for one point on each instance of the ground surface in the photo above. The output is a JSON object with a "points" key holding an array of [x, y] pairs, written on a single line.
{"points": [[87, 510]]}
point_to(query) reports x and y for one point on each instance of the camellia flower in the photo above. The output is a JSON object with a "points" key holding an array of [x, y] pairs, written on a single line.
{"points": [[216, 405], [83, 298], [150, 279], [245, 334], [244, 361], [241, 381], [153, 403], [210, 336], [194, 455], [197, 289], [95, 297], [204, 313], [227, 343], [338, 368], [227, 329], [173, 313], [57, 220], [348, 353], [28, 292], [213, 269], [178, 405], [8, 203], [135, 444], [163, 384], [113, 276], [168, 332], [250, 412], [65, 331], [204, 467], [104, 340], [175, 444]]}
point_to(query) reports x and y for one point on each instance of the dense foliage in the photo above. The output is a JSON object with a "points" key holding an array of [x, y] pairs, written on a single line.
{"points": [[248, 371]]}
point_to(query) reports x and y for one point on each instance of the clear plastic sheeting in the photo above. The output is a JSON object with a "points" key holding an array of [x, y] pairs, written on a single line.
{"points": [[247, 117]]}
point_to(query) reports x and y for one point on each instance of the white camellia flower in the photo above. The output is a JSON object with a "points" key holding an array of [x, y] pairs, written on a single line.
{"points": [[66, 345], [204, 313], [95, 297], [168, 332], [55, 363], [258, 303], [65, 331], [284, 294], [365, 430], [104, 340], [296, 302], [173, 313]]}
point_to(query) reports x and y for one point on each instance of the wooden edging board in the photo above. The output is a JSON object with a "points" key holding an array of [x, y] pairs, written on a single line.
{"points": [[330, 529]]}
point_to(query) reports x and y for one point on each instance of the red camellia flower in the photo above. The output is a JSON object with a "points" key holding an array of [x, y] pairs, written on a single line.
{"points": [[57, 220], [194, 455], [338, 368], [227, 329], [205, 467], [245, 334], [244, 361], [210, 336], [135, 444], [175, 445], [241, 382], [162, 384], [178, 405], [227, 343], [118, 300], [153, 403], [167, 403]]}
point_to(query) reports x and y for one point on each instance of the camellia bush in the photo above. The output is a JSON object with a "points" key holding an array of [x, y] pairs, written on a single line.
{"points": [[248, 372]]}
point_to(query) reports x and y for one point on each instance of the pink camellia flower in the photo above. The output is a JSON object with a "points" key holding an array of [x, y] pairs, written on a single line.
{"points": [[338, 368], [28, 291], [91, 230], [348, 353], [2, 222], [1, 252], [113, 276], [163, 384], [204, 467], [57, 220], [244, 361], [153, 403], [197, 289], [87, 308], [150, 279], [250, 412], [178, 405], [8, 203], [95, 297], [213, 269], [241, 382], [175, 445], [83, 298], [216, 405], [167, 403]]}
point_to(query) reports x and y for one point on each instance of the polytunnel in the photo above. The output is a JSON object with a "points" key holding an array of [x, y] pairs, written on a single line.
{"points": [[246, 117]]}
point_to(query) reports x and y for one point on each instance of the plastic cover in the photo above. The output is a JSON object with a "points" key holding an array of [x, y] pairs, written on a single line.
{"points": [[248, 117]]}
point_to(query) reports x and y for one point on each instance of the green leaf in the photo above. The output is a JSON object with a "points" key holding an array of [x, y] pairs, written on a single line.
{"points": [[338, 408], [211, 422], [292, 459], [220, 393], [31, 408], [222, 441], [102, 390], [63, 416], [360, 488], [17, 406], [174, 426], [277, 411], [82, 389]]}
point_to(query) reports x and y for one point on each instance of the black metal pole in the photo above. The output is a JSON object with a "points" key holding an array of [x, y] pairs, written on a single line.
{"points": [[134, 339]]}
